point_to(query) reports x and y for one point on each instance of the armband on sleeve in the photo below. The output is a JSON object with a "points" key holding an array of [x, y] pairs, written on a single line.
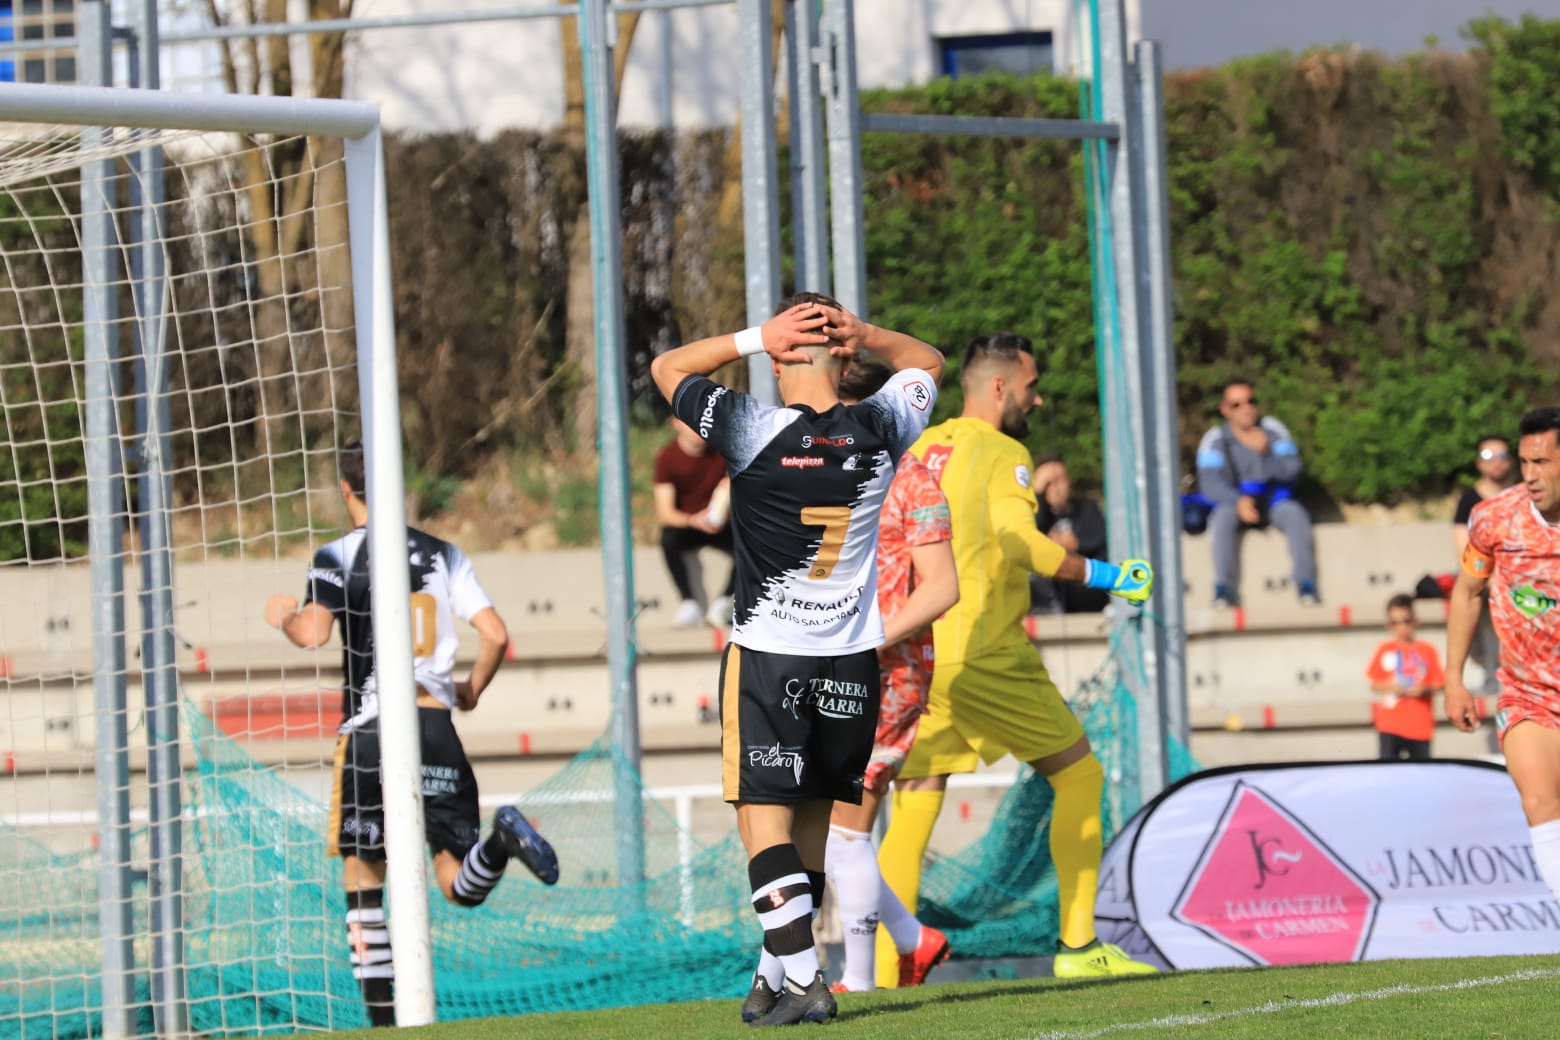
{"points": [[1477, 564]]}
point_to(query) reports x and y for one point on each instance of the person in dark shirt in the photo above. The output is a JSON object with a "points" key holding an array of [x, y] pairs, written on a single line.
{"points": [[691, 491], [1077, 525], [1496, 474]]}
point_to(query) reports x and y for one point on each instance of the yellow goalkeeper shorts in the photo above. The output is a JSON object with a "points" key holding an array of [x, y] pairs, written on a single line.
{"points": [[1001, 705]]}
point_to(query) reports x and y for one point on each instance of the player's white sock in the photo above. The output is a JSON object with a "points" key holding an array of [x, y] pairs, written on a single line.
{"points": [[1546, 851], [769, 968], [852, 865], [902, 926]]}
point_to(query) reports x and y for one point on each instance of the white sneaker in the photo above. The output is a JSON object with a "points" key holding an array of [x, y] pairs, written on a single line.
{"points": [[688, 614], [719, 614]]}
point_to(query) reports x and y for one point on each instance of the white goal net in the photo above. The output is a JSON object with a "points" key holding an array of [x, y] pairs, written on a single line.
{"points": [[175, 381]]}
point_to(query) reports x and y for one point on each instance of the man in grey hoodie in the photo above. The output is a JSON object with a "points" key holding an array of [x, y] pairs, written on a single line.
{"points": [[1248, 466]]}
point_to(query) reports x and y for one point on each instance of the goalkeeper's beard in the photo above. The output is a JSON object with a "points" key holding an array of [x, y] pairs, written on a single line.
{"points": [[1015, 423]]}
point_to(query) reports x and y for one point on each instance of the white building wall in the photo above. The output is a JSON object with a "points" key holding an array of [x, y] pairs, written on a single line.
{"points": [[494, 75]]}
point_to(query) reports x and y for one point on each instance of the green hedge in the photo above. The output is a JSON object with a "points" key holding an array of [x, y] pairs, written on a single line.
{"points": [[1371, 241]]}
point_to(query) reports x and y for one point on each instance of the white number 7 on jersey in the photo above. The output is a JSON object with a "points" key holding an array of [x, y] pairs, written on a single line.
{"points": [[835, 521]]}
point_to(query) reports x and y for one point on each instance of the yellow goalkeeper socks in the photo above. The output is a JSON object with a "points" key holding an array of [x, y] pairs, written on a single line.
{"points": [[1076, 846], [899, 859]]}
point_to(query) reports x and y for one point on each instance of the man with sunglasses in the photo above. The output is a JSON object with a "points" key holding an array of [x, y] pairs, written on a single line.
{"points": [[1497, 472], [1248, 466]]}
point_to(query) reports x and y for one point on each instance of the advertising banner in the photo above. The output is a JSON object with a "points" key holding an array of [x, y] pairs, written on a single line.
{"points": [[1314, 862]]}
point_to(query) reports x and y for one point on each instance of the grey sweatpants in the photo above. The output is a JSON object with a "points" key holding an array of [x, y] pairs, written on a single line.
{"points": [[1225, 530]]}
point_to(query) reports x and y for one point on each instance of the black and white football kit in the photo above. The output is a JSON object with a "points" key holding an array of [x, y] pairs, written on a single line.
{"points": [[799, 682], [444, 587]]}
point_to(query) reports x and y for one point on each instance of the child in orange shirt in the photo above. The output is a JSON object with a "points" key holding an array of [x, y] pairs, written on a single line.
{"points": [[1405, 674]]}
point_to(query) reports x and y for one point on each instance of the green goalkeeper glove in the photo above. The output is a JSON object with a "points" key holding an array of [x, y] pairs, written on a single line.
{"points": [[1133, 580]]}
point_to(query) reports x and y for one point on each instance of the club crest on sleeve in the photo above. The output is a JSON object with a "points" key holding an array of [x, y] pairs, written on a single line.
{"points": [[775, 898], [920, 397], [1021, 474]]}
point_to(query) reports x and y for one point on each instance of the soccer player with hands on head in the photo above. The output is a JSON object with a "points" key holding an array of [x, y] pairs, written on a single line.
{"points": [[799, 683]]}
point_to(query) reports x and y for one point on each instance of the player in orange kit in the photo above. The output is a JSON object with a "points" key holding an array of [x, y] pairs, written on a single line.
{"points": [[1514, 552]]}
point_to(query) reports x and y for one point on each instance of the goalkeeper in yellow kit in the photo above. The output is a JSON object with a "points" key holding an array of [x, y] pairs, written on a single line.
{"points": [[990, 693]]}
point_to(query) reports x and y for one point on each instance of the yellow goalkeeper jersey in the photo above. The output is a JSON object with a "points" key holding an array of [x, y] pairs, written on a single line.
{"points": [[984, 474]]}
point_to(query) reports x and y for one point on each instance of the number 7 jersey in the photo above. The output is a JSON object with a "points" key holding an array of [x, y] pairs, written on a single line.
{"points": [[806, 491]]}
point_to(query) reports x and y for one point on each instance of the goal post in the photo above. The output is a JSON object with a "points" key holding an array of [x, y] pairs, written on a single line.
{"points": [[110, 126]]}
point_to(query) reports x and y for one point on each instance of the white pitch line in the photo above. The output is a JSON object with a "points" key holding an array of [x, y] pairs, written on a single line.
{"points": [[1275, 1007]]}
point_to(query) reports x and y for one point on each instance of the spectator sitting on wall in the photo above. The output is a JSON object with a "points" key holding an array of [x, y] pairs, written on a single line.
{"points": [[690, 494], [1248, 466]]}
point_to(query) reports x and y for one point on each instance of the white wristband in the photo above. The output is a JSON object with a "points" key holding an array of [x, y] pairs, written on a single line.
{"points": [[750, 341]]}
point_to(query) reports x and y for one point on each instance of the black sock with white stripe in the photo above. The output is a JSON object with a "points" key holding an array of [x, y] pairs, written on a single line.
{"points": [[368, 939], [783, 900], [480, 871]]}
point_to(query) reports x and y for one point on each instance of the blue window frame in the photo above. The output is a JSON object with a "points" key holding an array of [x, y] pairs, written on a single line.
{"points": [[37, 20], [7, 34], [1024, 53]]}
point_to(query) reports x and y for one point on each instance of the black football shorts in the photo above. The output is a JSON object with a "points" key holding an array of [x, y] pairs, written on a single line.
{"points": [[796, 729], [451, 817]]}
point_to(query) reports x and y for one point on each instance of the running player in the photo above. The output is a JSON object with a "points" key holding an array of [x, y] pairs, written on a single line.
{"points": [[1513, 546], [799, 679], [916, 583], [443, 587], [990, 693]]}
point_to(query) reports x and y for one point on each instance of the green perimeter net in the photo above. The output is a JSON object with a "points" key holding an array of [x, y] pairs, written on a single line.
{"points": [[265, 942]]}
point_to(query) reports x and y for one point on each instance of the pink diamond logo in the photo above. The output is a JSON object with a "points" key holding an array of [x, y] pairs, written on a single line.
{"points": [[1269, 889]]}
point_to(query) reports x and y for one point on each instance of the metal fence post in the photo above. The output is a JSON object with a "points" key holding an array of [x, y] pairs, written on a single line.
{"points": [[105, 536], [760, 174]]}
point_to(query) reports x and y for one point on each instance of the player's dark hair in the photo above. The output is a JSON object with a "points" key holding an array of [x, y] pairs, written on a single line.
{"points": [[1494, 437], [863, 377], [806, 297], [1402, 601], [1003, 346], [349, 464], [1540, 420]]}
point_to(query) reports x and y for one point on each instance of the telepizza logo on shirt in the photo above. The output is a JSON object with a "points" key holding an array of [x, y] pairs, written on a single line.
{"points": [[802, 461], [1531, 602]]}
